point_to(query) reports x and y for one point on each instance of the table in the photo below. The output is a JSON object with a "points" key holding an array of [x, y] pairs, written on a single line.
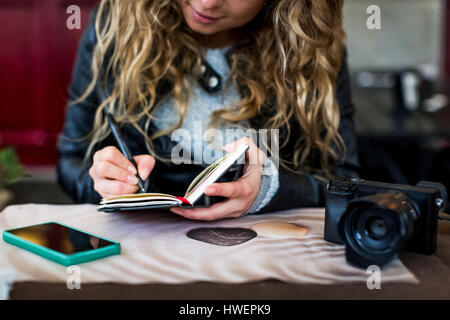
{"points": [[432, 272]]}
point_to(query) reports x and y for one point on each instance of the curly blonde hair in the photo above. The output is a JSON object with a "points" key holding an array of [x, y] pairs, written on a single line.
{"points": [[293, 57]]}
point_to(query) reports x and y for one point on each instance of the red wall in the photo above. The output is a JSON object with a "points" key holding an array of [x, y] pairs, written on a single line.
{"points": [[36, 60]]}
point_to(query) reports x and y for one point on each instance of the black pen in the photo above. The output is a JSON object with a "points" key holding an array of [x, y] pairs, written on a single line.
{"points": [[123, 146]]}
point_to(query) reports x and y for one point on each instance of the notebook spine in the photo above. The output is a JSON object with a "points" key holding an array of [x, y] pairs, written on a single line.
{"points": [[185, 203]]}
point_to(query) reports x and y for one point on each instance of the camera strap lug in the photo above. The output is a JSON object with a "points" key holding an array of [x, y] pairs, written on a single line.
{"points": [[440, 203]]}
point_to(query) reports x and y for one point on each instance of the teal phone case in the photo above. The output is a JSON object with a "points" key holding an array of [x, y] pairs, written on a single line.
{"points": [[58, 257]]}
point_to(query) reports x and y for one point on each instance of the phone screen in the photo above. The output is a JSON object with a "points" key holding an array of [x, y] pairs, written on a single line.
{"points": [[60, 238]]}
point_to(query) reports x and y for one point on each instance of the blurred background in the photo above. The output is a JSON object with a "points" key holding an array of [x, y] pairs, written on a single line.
{"points": [[400, 78]]}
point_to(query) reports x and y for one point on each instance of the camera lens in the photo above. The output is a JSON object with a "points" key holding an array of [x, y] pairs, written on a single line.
{"points": [[375, 228]]}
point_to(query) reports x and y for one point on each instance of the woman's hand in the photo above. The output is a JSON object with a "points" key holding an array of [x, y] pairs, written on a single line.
{"points": [[113, 173], [240, 193]]}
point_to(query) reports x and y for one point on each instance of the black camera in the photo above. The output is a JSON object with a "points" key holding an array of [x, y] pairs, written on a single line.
{"points": [[377, 220]]}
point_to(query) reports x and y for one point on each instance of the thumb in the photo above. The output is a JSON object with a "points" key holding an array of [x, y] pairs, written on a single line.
{"points": [[145, 165], [254, 155]]}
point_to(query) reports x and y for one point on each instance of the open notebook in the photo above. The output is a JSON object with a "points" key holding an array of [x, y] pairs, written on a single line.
{"points": [[194, 192]]}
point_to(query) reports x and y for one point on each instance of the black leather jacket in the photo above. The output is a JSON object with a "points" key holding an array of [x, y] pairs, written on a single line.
{"points": [[295, 190]]}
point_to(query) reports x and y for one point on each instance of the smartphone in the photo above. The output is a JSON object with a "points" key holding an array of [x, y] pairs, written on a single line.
{"points": [[60, 243]]}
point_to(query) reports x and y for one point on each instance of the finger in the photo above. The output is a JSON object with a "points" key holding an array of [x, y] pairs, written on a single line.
{"points": [[225, 209], [105, 169], [233, 189], [113, 155], [114, 187], [145, 165]]}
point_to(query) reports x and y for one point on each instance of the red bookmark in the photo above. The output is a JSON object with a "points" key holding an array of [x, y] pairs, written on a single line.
{"points": [[183, 200]]}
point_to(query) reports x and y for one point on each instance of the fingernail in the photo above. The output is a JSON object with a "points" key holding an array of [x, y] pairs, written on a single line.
{"points": [[132, 169], [132, 180], [144, 174], [211, 190]]}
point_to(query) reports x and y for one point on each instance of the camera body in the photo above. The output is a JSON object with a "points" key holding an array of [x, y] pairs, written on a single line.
{"points": [[377, 220]]}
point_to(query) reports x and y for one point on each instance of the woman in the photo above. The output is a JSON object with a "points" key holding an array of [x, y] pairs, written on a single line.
{"points": [[160, 65]]}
